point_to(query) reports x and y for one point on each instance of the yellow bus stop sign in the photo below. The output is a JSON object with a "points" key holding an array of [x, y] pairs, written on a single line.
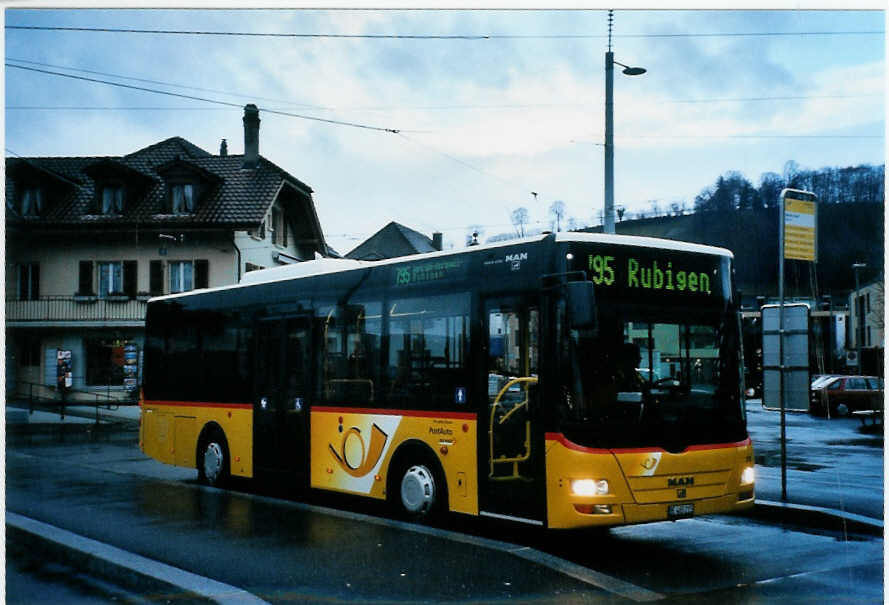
{"points": [[800, 241]]}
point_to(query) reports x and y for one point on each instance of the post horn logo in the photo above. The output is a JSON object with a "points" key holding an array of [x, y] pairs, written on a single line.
{"points": [[354, 457]]}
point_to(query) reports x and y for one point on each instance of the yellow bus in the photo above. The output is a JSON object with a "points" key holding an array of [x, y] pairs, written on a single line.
{"points": [[564, 381]]}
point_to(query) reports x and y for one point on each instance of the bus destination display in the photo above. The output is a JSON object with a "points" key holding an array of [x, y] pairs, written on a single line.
{"points": [[637, 273]]}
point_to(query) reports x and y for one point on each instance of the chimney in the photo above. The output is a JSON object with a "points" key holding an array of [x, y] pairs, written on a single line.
{"points": [[436, 240], [251, 136], [223, 148]]}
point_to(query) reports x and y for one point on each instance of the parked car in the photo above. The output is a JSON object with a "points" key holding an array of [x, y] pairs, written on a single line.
{"points": [[818, 380], [842, 395]]}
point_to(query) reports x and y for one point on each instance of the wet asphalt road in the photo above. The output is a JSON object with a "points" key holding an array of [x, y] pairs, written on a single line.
{"points": [[285, 551], [832, 463]]}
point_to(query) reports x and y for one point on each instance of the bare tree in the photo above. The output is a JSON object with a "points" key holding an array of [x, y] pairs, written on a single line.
{"points": [[519, 218], [620, 212], [557, 211]]}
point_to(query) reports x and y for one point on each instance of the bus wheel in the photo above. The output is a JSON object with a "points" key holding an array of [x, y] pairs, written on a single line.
{"points": [[418, 491], [213, 460]]}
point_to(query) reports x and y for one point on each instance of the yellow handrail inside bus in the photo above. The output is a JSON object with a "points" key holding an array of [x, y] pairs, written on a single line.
{"points": [[529, 380]]}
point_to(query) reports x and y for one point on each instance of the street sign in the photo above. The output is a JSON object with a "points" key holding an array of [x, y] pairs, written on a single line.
{"points": [[800, 222], [795, 362]]}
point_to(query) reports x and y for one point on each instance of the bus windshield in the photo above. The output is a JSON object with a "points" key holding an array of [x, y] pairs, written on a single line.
{"points": [[654, 378]]}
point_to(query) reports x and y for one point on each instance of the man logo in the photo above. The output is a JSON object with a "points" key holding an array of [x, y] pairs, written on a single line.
{"points": [[680, 481], [354, 457]]}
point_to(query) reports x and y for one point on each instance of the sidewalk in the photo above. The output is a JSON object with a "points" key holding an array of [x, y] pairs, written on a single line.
{"points": [[17, 412]]}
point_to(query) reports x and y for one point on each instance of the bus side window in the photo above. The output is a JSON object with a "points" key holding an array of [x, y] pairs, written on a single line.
{"points": [[428, 343], [351, 338]]}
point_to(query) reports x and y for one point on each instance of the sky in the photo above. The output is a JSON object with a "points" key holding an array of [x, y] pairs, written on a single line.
{"points": [[494, 109]]}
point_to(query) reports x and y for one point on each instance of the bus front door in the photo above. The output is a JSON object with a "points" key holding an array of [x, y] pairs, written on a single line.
{"points": [[512, 464], [281, 396]]}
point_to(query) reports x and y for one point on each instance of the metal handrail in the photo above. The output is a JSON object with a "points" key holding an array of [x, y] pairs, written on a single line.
{"points": [[60, 398]]}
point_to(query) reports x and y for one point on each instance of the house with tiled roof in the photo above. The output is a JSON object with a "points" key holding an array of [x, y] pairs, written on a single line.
{"points": [[395, 240], [90, 239]]}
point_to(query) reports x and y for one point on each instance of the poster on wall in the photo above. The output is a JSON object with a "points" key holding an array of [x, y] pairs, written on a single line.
{"points": [[64, 378], [130, 366]]}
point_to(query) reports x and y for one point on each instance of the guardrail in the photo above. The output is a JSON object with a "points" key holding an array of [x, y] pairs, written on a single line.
{"points": [[76, 308], [51, 399]]}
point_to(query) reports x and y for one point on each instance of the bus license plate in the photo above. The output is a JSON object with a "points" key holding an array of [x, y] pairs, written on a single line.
{"points": [[681, 511]]}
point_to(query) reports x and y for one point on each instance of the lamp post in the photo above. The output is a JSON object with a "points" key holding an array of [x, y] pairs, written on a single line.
{"points": [[609, 126], [859, 325]]}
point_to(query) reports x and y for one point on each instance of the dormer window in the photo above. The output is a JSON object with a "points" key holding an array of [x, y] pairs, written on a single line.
{"points": [[31, 201], [111, 199], [182, 198], [279, 227]]}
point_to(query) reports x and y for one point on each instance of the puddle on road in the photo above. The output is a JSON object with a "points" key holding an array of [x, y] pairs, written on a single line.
{"points": [[878, 443], [774, 460]]}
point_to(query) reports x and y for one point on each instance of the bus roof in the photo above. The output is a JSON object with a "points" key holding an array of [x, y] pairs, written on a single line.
{"points": [[644, 242], [323, 266]]}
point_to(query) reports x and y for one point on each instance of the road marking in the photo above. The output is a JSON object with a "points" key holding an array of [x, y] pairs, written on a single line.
{"points": [[589, 576], [224, 594], [562, 566]]}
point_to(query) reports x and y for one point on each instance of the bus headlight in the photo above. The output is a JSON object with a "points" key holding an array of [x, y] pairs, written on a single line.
{"points": [[748, 476], [589, 487]]}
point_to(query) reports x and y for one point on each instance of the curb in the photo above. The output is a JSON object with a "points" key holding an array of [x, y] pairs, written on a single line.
{"points": [[28, 538], [815, 517]]}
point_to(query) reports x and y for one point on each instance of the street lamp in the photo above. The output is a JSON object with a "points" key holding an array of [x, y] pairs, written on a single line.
{"points": [[609, 125], [859, 325]]}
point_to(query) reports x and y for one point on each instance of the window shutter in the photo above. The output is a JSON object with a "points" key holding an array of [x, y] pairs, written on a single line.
{"points": [[23, 282], [35, 281], [130, 278], [201, 273], [156, 277], [85, 285]]}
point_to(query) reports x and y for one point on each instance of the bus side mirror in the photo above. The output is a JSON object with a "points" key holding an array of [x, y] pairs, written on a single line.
{"points": [[580, 305]]}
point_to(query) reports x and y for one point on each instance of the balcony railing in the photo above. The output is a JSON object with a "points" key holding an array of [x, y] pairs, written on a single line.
{"points": [[76, 308]]}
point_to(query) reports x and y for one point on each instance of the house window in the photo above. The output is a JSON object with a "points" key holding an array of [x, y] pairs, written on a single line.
{"points": [[110, 278], [182, 198], [279, 228], [181, 276], [32, 201], [29, 281], [112, 197]]}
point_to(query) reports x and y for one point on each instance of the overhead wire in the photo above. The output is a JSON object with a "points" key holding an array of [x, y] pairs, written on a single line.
{"points": [[126, 30], [397, 131], [204, 99], [398, 107], [149, 81]]}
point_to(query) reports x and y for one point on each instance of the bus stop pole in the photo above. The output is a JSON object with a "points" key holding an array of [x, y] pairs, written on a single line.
{"points": [[781, 349]]}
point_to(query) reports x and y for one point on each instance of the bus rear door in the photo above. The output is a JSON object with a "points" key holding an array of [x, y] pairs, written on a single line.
{"points": [[281, 395]]}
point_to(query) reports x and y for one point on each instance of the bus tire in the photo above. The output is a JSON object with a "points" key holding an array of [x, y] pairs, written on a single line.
{"points": [[416, 486], [212, 458]]}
